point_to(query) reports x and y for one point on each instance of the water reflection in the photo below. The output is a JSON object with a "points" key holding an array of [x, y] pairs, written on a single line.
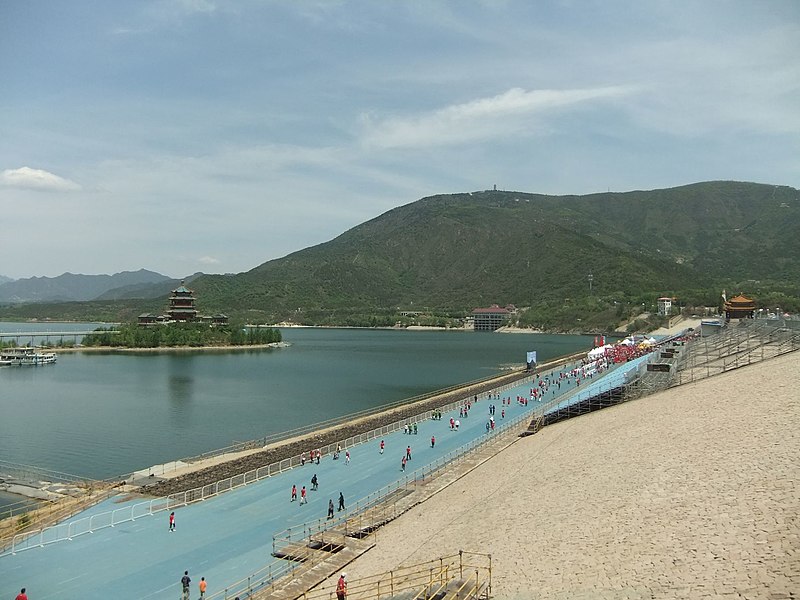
{"points": [[180, 388]]}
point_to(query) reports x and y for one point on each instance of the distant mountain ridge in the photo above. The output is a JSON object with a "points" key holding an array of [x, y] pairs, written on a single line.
{"points": [[460, 251], [447, 254], [70, 287], [4, 279]]}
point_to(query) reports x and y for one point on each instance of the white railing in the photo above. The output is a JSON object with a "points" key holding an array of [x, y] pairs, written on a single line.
{"points": [[66, 531]]}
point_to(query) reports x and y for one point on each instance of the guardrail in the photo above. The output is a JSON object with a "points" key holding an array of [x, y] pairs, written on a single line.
{"points": [[67, 531], [467, 388], [471, 571], [50, 513], [354, 519], [306, 429], [31, 472]]}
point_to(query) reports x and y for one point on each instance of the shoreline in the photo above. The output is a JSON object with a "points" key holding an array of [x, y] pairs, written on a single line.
{"points": [[122, 350], [209, 470]]}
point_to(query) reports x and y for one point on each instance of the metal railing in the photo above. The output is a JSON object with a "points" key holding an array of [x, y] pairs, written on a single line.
{"points": [[298, 547], [737, 346], [51, 512], [467, 388], [29, 472], [66, 531], [462, 575]]}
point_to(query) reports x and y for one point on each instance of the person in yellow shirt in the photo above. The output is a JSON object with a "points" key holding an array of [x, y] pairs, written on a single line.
{"points": [[203, 585]]}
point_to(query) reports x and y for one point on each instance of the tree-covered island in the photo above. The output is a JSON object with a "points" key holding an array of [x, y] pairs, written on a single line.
{"points": [[179, 335]]}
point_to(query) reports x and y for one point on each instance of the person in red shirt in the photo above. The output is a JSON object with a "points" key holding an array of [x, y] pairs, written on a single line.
{"points": [[433, 441], [23, 596], [382, 446], [294, 493], [341, 587]]}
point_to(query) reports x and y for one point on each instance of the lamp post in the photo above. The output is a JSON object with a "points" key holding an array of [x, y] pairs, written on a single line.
{"points": [[591, 278]]}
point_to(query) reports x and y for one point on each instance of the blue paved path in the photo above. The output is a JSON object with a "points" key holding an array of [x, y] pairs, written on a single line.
{"points": [[226, 538]]}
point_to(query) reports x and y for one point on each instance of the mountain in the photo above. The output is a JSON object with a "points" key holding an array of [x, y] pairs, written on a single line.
{"points": [[4, 279], [447, 254], [459, 251], [69, 287], [145, 290]]}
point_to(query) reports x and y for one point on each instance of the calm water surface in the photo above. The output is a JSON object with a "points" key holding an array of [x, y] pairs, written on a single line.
{"points": [[102, 415]]}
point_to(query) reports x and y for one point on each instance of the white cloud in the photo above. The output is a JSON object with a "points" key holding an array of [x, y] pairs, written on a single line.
{"points": [[36, 179], [195, 6], [478, 119], [208, 260]]}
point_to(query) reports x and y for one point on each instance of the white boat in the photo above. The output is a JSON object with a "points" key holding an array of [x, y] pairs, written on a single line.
{"points": [[25, 356]]}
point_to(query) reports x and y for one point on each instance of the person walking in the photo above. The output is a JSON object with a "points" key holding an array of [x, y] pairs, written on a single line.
{"points": [[433, 441], [314, 482], [185, 581], [347, 457], [303, 499], [408, 452], [341, 587], [202, 587], [172, 521], [383, 444], [330, 508], [294, 492], [403, 464], [341, 501], [22, 595]]}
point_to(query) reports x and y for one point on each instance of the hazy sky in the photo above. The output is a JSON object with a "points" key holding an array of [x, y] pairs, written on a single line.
{"points": [[214, 135]]}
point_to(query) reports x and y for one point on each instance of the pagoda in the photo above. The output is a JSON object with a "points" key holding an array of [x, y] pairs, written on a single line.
{"points": [[182, 310], [181, 304], [739, 307]]}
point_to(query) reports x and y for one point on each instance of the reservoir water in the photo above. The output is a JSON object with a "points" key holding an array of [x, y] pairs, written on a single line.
{"points": [[103, 415]]}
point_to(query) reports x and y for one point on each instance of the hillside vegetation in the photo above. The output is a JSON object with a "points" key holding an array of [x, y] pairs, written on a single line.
{"points": [[446, 254]]}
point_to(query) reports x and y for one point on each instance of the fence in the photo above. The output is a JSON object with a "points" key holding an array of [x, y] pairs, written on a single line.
{"points": [[467, 388], [737, 346], [66, 531], [297, 549], [462, 575]]}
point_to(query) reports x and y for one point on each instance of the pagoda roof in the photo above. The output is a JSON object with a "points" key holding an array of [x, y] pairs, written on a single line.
{"points": [[740, 299]]}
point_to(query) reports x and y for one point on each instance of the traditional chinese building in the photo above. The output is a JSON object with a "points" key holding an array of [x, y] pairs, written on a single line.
{"points": [[181, 305], [491, 318], [182, 310], [739, 307]]}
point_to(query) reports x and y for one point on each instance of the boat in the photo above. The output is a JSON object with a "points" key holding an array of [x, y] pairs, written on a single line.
{"points": [[25, 357]]}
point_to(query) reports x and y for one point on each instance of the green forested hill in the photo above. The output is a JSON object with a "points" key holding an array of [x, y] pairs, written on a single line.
{"points": [[447, 254], [455, 252]]}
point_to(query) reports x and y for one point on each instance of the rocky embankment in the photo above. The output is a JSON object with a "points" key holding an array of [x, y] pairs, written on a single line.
{"points": [[295, 447]]}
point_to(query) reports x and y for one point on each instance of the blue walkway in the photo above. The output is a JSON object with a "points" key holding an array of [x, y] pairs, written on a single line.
{"points": [[226, 538], [615, 377]]}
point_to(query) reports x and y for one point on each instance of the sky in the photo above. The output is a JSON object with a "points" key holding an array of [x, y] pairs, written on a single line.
{"points": [[214, 135]]}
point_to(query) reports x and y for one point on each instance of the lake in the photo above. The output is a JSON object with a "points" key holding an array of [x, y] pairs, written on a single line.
{"points": [[104, 415]]}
